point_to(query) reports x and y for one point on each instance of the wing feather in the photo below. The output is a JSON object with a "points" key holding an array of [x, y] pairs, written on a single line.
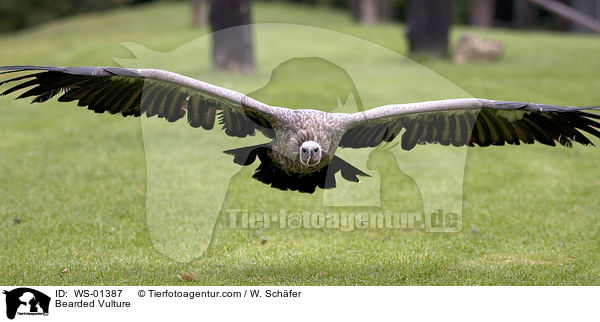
{"points": [[456, 131], [155, 100], [209, 114], [472, 122], [132, 103], [94, 93], [413, 132], [175, 108], [194, 110], [133, 92]]}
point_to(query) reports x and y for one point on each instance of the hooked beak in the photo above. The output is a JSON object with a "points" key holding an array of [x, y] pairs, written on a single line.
{"points": [[309, 156]]}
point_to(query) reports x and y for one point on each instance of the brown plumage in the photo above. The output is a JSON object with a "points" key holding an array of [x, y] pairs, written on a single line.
{"points": [[301, 154]]}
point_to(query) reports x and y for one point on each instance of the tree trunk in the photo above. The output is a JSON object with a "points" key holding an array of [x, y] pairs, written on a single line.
{"points": [[355, 10], [197, 13], [428, 25], [232, 36], [386, 10], [481, 12], [369, 12]]}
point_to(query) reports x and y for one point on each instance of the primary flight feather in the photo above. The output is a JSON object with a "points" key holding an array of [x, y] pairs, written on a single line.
{"points": [[301, 154]]}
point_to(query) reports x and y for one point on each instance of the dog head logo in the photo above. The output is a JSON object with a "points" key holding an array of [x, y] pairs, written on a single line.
{"points": [[26, 301]]}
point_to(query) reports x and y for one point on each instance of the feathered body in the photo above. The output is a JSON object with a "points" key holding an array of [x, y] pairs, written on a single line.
{"points": [[301, 126], [301, 154]]}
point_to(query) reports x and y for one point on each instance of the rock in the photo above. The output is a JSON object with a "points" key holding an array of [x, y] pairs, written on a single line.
{"points": [[472, 48]]}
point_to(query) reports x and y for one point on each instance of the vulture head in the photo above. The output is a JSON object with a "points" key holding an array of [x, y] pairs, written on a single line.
{"points": [[310, 153]]}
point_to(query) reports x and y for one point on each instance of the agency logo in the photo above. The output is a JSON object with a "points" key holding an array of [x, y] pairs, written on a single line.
{"points": [[26, 301]]}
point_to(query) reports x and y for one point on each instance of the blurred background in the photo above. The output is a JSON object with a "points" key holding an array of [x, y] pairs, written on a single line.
{"points": [[428, 21], [539, 14]]}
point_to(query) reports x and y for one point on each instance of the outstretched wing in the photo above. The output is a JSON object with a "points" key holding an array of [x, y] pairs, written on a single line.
{"points": [[134, 92], [471, 122]]}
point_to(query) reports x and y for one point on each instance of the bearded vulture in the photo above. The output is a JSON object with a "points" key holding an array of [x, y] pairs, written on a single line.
{"points": [[301, 153]]}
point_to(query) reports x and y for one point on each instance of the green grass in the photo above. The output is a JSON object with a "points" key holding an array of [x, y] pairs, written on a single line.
{"points": [[119, 201]]}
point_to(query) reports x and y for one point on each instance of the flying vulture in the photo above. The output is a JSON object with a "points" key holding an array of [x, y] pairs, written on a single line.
{"points": [[301, 153]]}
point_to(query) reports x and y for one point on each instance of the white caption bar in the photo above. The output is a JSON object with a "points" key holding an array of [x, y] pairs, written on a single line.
{"points": [[66, 303]]}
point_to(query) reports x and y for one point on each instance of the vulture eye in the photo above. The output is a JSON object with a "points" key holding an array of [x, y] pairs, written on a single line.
{"points": [[303, 150], [316, 149]]}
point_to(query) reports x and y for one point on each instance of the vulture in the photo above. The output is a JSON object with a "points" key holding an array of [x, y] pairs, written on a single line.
{"points": [[301, 153]]}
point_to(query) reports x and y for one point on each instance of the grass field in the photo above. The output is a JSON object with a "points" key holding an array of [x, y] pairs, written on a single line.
{"points": [[86, 189]]}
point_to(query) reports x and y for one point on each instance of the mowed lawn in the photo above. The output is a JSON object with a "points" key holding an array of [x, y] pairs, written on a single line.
{"points": [[82, 192]]}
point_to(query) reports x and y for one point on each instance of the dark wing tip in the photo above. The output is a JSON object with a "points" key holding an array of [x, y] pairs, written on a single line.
{"points": [[22, 68], [533, 107], [99, 90], [83, 70]]}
